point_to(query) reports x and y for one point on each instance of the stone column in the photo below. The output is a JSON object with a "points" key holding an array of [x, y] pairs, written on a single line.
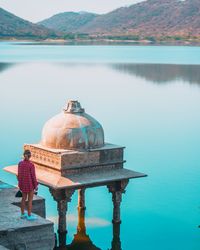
{"points": [[117, 188], [62, 211], [62, 197]]}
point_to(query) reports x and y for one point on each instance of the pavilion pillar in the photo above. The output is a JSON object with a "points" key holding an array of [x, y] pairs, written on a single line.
{"points": [[62, 207], [62, 197], [117, 188]]}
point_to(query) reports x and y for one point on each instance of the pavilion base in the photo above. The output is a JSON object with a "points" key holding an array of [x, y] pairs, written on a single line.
{"points": [[62, 188]]}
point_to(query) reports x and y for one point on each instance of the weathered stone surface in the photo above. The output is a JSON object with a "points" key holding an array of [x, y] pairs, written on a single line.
{"points": [[44, 156], [75, 159], [72, 129], [38, 206], [17, 233]]}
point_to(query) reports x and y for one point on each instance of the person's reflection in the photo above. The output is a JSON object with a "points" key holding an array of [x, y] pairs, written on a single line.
{"points": [[82, 241]]}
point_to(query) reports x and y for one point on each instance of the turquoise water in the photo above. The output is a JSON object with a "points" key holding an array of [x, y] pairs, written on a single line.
{"points": [[23, 52], [146, 98]]}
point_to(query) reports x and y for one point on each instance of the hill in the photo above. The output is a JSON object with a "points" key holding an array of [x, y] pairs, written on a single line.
{"points": [[148, 21], [148, 18], [68, 21], [12, 26], [152, 17]]}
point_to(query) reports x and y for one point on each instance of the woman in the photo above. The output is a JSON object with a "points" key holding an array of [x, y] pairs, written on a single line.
{"points": [[27, 183]]}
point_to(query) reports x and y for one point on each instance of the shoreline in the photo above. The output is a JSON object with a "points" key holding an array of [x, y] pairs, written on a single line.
{"points": [[102, 42]]}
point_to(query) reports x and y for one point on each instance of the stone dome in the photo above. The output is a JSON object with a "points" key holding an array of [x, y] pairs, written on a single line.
{"points": [[72, 129]]}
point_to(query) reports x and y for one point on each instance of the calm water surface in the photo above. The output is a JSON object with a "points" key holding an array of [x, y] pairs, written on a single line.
{"points": [[146, 98]]}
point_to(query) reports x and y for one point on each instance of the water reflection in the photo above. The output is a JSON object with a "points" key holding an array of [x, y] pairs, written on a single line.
{"points": [[5, 66], [82, 241], [161, 73], [156, 73]]}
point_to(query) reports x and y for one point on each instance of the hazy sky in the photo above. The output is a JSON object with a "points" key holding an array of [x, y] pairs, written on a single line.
{"points": [[36, 10]]}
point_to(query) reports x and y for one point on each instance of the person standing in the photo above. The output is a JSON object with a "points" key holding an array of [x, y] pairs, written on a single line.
{"points": [[27, 183]]}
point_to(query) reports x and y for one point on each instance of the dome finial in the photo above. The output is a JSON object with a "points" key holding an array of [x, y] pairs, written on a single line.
{"points": [[73, 107]]}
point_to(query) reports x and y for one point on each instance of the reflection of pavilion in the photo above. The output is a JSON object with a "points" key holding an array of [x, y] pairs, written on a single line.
{"points": [[81, 240], [73, 155]]}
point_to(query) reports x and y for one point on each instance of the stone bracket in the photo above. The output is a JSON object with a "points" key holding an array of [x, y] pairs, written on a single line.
{"points": [[118, 186], [62, 194]]}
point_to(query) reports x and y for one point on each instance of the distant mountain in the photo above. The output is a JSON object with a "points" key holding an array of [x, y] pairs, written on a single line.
{"points": [[15, 27], [148, 18], [151, 20], [152, 17], [68, 21]]}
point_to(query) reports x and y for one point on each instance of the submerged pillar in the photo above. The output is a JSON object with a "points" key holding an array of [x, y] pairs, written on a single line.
{"points": [[116, 243], [117, 188]]}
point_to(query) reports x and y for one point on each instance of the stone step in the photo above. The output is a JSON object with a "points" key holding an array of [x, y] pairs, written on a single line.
{"points": [[17, 233]]}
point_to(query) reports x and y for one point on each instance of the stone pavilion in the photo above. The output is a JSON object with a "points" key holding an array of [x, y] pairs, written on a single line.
{"points": [[73, 155]]}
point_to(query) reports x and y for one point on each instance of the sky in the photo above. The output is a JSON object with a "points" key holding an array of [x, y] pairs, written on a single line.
{"points": [[37, 10]]}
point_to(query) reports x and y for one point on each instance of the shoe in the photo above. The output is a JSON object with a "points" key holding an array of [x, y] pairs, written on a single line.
{"points": [[24, 216], [31, 217]]}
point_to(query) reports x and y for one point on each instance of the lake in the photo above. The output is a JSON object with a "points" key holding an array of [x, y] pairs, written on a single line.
{"points": [[147, 99]]}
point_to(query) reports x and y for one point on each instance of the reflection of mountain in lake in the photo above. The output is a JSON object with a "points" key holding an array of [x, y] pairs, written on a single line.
{"points": [[4, 66], [156, 73], [162, 73]]}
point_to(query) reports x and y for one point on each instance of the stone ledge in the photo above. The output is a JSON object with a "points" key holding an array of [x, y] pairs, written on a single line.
{"points": [[81, 180], [15, 231]]}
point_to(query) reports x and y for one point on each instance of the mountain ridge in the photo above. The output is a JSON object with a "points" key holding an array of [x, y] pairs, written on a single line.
{"points": [[147, 18], [14, 26], [150, 20], [68, 21]]}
